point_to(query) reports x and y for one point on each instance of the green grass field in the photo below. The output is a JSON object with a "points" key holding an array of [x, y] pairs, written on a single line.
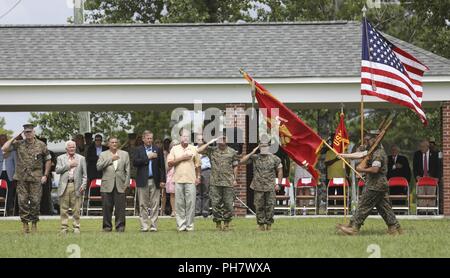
{"points": [[296, 237]]}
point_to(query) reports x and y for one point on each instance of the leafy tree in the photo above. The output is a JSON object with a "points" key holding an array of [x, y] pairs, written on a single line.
{"points": [[61, 126], [2, 127]]}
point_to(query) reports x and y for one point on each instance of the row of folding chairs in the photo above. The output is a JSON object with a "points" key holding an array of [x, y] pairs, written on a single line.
{"points": [[305, 198], [298, 199], [94, 198]]}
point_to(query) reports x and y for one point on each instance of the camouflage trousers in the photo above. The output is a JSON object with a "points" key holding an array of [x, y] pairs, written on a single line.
{"points": [[29, 196], [222, 199], [264, 205], [374, 199]]}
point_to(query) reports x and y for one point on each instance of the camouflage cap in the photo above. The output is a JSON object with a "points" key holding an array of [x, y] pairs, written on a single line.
{"points": [[28, 127], [373, 133]]}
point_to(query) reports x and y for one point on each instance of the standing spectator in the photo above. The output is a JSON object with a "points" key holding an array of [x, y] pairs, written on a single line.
{"points": [[426, 164], [164, 193], [72, 183], [202, 199], [151, 176], [266, 168], [92, 156], [88, 140], [130, 147], [185, 159], [434, 148], [8, 164], [81, 146], [46, 199], [170, 184], [398, 165], [115, 165], [30, 176]]}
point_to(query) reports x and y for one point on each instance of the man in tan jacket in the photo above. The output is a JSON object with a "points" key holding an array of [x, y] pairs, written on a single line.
{"points": [[72, 182], [115, 165]]}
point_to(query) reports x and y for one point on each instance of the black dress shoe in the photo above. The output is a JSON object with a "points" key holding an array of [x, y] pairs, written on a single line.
{"points": [[107, 230]]}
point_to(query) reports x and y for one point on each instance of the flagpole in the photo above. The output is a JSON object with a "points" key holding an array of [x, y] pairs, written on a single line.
{"points": [[341, 158], [364, 10], [345, 172]]}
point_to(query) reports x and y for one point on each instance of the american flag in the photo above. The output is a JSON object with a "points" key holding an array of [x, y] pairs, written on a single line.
{"points": [[390, 73]]}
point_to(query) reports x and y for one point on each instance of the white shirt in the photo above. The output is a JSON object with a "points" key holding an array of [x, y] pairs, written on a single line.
{"points": [[427, 154], [115, 162], [72, 169], [4, 164]]}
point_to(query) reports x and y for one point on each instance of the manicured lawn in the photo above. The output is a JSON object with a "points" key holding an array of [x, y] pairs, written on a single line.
{"points": [[295, 237]]}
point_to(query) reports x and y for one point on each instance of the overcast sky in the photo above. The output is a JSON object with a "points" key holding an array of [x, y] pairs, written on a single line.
{"points": [[32, 12]]}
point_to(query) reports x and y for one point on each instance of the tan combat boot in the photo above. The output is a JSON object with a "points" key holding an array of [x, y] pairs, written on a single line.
{"points": [[350, 231], [34, 227], [394, 231], [219, 226], [226, 226], [339, 225], [268, 227], [261, 227], [26, 228]]}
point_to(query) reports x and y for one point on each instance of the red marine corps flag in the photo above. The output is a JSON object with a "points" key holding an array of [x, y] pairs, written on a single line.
{"points": [[297, 139], [340, 141]]}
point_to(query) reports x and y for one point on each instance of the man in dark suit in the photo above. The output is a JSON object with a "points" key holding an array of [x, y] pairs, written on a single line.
{"points": [[92, 156], [398, 165], [150, 178], [426, 164]]}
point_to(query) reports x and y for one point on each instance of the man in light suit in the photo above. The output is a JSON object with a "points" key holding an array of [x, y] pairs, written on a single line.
{"points": [[72, 182], [8, 167], [115, 165]]}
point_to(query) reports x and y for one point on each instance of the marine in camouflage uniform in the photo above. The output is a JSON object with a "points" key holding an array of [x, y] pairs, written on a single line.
{"points": [[222, 180], [375, 195], [266, 168], [31, 155], [224, 161]]}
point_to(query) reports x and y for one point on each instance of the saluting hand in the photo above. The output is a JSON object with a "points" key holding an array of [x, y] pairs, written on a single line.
{"points": [[115, 157], [19, 136]]}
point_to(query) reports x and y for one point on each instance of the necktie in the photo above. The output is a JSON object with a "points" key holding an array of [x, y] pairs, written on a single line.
{"points": [[425, 165]]}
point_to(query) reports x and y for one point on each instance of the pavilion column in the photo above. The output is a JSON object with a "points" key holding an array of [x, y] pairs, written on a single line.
{"points": [[235, 117], [446, 156]]}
